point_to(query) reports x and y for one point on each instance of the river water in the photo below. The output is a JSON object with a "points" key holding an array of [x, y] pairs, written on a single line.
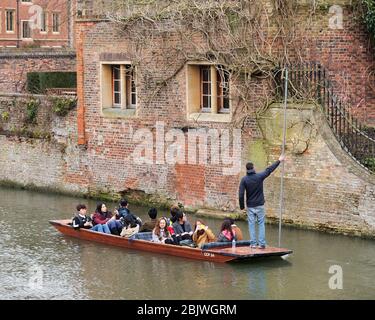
{"points": [[37, 262]]}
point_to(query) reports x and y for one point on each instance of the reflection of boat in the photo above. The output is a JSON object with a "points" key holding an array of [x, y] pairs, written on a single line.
{"points": [[216, 252]]}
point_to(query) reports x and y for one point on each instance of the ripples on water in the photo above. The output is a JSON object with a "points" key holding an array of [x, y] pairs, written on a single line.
{"points": [[72, 268]]}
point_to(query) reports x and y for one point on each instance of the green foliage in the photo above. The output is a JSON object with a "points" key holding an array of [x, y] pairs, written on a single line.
{"points": [[32, 107], [369, 16], [5, 116], [369, 163], [61, 106], [38, 82]]}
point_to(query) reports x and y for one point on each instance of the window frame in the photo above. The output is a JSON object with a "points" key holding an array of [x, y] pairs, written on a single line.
{"points": [[22, 30], [221, 96], [120, 84], [202, 83], [13, 11], [128, 87], [56, 14], [44, 14]]}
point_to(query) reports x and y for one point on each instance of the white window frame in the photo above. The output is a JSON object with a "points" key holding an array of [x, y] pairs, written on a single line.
{"points": [[31, 31], [120, 80], [194, 94], [58, 14], [6, 21], [126, 88], [46, 22]]}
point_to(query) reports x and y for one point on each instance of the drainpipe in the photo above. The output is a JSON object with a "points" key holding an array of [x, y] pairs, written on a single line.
{"points": [[18, 23], [69, 15]]}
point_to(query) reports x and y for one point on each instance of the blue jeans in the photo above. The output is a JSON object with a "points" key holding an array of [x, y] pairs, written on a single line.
{"points": [[115, 226], [257, 214], [101, 228]]}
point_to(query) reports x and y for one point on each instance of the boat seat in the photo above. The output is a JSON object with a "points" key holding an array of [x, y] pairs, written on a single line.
{"points": [[142, 236], [212, 245]]}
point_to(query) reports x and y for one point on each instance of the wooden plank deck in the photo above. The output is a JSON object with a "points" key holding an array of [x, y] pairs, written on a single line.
{"points": [[248, 252]]}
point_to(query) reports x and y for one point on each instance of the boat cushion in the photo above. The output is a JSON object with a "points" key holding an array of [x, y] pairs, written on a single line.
{"points": [[212, 245], [142, 236]]}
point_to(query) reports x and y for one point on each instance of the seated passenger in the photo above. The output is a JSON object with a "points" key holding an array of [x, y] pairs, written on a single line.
{"points": [[202, 234], [226, 232], [182, 229], [160, 234], [149, 225], [236, 229], [123, 210], [81, 220], [131, 226], [104, 217], [174, 211]]}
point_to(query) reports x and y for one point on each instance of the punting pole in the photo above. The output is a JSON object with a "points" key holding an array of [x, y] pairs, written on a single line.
{"points": [[283, 152]]}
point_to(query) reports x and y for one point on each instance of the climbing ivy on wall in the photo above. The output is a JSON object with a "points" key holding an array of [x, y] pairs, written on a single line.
{"points": [[369, 16]]}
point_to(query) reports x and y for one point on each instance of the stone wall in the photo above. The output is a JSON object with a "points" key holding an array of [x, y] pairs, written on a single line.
{"points": [[15, 64], [41, 154], [324, 188]]}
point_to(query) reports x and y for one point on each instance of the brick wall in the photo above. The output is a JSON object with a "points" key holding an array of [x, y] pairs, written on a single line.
{"points": [[25, 11], [15, 64], [346, 53], [320, 189]]}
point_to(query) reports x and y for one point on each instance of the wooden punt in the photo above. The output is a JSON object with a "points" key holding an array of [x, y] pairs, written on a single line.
{"points": [[215, 254]]}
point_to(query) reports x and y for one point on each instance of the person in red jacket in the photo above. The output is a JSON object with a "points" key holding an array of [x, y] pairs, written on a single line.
{"points": [[104, 217]]}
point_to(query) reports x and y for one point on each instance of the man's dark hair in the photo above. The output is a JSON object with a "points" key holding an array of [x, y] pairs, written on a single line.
{"points": [[249, 166], [81, 206], [123, 203], [175, 210], [179, 215], [130, 220], [152, 213]]}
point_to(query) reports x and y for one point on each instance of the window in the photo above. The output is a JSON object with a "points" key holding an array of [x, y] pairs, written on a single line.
{"points": [[222, 79], [208, 91], [131, 97], [10, 20], [26, 30], [205, 74], [118, 87], [55, 22], [43, 22]]}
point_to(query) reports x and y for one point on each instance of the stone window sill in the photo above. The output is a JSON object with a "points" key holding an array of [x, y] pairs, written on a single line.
{"points": [[210, 117], [118, 113]]}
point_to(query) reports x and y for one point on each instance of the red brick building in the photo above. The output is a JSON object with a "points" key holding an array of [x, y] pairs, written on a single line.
{"points": [[124, 86], [36, 23]]}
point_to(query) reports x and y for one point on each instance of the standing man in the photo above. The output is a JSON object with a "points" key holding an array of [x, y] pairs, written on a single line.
{"points": [[252, 183]]}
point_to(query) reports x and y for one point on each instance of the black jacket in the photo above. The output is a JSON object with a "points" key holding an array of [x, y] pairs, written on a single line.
{"points": [[252, 183], [79, 221]]}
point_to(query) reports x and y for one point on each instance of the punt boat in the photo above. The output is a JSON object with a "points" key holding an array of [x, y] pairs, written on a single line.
{"points": [[214, 252]]}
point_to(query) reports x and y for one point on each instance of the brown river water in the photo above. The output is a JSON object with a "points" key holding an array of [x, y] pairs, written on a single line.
{"points": [[37, 262]]}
